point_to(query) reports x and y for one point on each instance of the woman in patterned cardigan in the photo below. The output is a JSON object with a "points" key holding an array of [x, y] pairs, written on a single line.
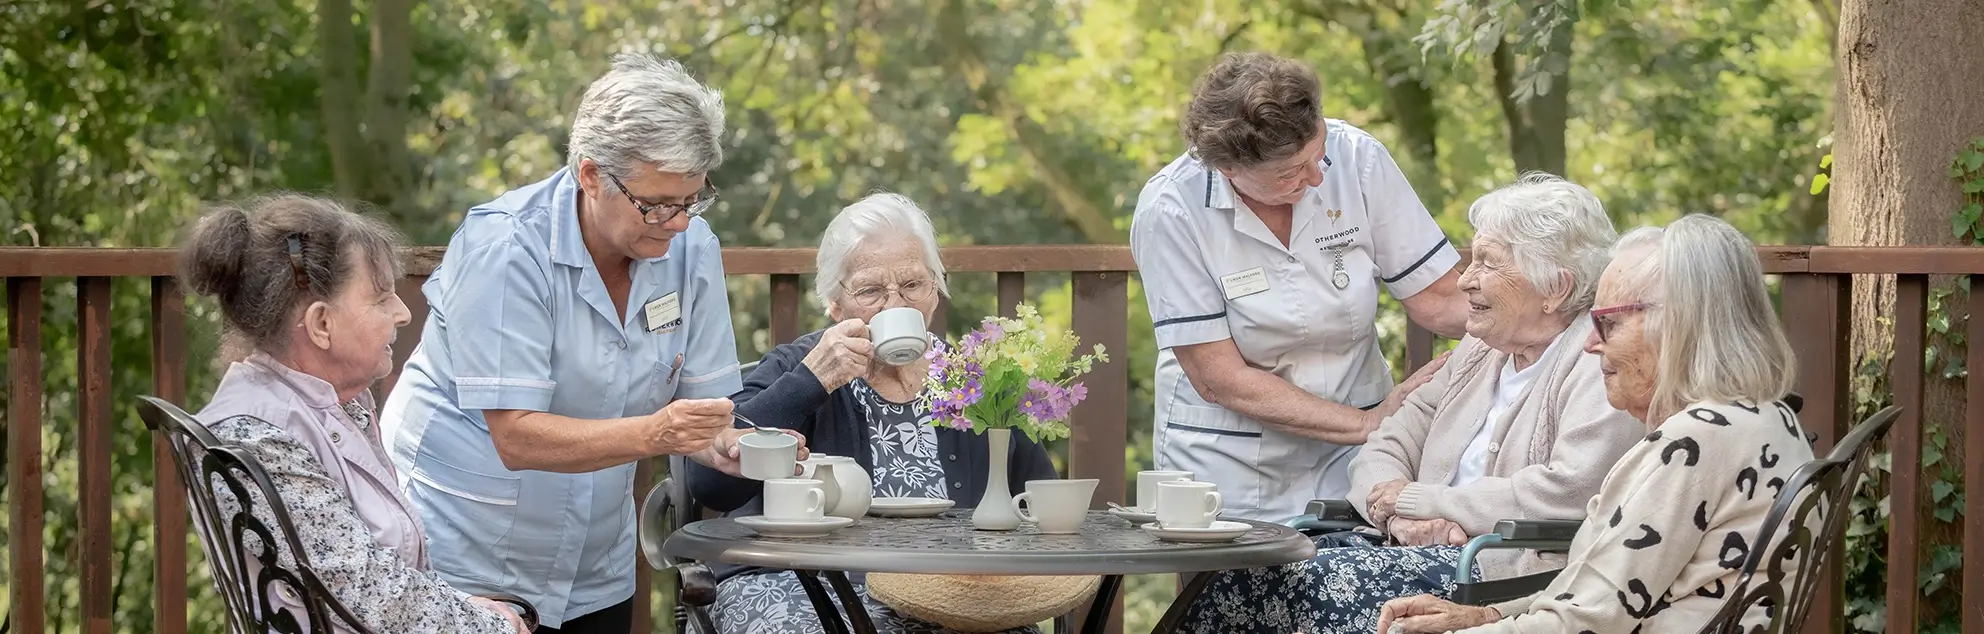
{"points": [[1690, 345], [309, 286]]}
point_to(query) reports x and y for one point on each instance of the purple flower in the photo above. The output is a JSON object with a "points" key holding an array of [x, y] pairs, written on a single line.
{"points": [[1046, 401]]}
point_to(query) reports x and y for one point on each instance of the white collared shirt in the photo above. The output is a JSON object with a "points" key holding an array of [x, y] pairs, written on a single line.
{"points": [[1212, 270], [1509, 387]]}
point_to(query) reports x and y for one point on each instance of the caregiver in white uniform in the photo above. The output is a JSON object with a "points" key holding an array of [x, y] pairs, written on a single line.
{"points": [[1262, 250]]}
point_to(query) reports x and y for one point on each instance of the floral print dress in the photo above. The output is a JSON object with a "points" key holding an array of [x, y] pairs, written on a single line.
{"points": [[371, 580], [904, 446]]}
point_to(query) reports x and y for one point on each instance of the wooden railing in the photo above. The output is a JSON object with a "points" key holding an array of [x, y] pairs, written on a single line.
{"points": [[1816, 286]]}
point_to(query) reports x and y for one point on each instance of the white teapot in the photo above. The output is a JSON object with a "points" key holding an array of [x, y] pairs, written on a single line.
{"points": [[849, 489]]}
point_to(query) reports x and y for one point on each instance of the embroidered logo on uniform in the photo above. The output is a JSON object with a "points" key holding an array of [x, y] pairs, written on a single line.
{"points": [[1335, 215]]}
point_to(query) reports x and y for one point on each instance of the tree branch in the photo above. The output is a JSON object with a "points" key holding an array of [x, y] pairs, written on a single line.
{"points": [[1081, 210]]}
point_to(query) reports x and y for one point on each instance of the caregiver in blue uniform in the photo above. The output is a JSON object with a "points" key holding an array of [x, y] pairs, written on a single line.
{"points": [[577, 325], [1262, 250]]}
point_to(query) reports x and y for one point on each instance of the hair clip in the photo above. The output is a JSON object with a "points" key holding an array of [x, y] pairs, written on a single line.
{"points": [[296, 262]]}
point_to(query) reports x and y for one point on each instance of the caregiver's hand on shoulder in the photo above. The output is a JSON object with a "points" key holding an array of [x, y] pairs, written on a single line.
{"points": [[725, 454], [1432, 615], [688, 426], [1396, 398], [842, 355]]}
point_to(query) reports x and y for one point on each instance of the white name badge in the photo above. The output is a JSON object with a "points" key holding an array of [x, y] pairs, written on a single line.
{"points": [[1244, 283], [665, 314]]}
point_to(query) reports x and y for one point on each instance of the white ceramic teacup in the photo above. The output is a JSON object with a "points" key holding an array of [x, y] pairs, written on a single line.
{"points": [[763, 456], [1056, 506], [899, 334], [1147, 486], [1187, 504], [794, 500]]}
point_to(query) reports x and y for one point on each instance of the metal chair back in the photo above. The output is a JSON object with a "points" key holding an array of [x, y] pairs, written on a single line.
{"points": [[241, 549], [1799, 536]]}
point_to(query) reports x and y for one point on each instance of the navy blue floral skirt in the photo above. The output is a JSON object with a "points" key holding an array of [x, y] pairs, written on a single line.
{"points": [[1338, 591]]}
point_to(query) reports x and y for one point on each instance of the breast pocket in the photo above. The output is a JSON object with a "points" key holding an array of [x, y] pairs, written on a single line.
{"points": [[468, 516]]}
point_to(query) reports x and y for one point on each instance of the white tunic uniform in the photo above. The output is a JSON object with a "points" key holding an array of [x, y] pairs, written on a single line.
{"points": [[1212, 271]]}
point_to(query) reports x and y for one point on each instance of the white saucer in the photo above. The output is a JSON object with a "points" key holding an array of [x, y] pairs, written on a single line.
{"points": [[1133, 515], [1220, 531], [908, 507], [778, 528]]}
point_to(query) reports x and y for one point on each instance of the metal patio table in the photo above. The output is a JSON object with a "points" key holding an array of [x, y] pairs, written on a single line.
{"points": [[948, 545]]}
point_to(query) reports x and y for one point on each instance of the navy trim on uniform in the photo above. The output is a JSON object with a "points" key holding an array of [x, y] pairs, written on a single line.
{"points": [[1422, 260], [1208, 204], [1187, 320], [1209, 430], [1372, 406]]}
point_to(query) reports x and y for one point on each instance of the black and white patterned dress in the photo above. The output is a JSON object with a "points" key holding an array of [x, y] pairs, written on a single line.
{"points": [[1669, 530], [372, 580], [904, 447]]}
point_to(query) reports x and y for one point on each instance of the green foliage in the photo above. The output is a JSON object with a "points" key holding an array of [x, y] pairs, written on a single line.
{"points": [[130, 117], [1968, 171]]}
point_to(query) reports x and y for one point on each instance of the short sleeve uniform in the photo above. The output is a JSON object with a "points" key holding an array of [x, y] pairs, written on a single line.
{"points": [[1304, 311], [520, 319]]}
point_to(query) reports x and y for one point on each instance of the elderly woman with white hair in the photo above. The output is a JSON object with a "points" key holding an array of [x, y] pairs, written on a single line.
{"points": [[1690, 345], [1515, 426], [576, 326], [879, 253]]}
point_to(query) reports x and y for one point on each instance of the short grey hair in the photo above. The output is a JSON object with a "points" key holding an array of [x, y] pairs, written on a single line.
{"points": [[1557, 232], [648, 111], [1712, 322], [880, 216]]}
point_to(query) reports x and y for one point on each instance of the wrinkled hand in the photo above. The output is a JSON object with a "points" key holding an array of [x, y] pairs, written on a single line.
{"points": [[842, 355], [688, 426], [1383, 504], [723, 454], [508, 611], [1396, 398], [1432, 615], [1435, 532]]}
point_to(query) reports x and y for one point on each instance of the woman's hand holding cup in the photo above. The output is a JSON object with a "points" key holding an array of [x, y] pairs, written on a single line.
{"points": [[842, 355]]}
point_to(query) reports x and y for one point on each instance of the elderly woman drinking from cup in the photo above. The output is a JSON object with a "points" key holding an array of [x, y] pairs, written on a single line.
{"points": [[308, 286], [1689, 344], [1515, 426], [843, 390]]}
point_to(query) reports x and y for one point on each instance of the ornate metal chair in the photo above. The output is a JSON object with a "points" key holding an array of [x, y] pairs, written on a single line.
{"points": [[233, 541], [1804, 522], [1802, 528], [667, 508]]}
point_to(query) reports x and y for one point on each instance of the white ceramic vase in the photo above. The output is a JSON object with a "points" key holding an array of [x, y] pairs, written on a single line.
{"points": [[995, 509]]}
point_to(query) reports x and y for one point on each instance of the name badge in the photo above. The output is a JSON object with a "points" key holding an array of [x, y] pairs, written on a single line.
{"points": [[664, 315], [1244, 283]]}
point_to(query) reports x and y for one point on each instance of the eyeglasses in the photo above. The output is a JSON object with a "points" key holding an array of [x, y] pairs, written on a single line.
{"points": [[871, 296], [1604, 326], [667, 211]]}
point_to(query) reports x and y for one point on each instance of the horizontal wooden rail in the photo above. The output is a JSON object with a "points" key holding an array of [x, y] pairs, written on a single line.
{"points": [[1079, 258], [1817, 285]]}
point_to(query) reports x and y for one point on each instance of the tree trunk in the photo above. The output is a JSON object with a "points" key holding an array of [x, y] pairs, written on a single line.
{"points": [[1536, 125], [1910, 94], [337, 54], [389, 173]]}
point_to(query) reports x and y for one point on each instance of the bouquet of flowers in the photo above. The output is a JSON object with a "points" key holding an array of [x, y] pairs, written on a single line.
{"points": [[1009, 374]]}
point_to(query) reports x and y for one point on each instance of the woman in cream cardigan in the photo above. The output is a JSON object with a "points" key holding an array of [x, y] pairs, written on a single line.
{"points": [[1691, 346], [1515, 426]]}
